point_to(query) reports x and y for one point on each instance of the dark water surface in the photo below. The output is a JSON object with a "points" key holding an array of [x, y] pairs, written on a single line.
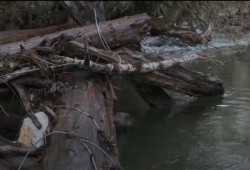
{"points": [[195, 134]]}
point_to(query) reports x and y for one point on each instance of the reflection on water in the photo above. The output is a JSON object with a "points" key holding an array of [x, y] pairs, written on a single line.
{"points": [[195, 134]]}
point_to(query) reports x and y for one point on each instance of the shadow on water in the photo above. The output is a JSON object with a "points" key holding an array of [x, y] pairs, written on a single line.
{"points": [[11, 104], [194, 134]]}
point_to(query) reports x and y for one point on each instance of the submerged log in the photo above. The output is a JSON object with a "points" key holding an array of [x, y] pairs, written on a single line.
{"points": [[205, 87], [86, 110]]}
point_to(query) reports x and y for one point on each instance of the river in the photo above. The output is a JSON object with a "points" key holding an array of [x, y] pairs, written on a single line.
{"points": [[195, 134]]}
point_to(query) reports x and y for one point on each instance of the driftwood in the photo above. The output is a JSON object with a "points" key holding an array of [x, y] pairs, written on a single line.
{"points": [[178, 79], [116, 33], [84, 135], [90, 116], [22, 35], [138, 67]]}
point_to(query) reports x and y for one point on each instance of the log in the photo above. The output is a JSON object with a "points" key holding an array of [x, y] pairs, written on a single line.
{"points": [[188, 82], [200, 89], [12, 154], [176, 77], [126, 30], [23, 35], [86, 110]]}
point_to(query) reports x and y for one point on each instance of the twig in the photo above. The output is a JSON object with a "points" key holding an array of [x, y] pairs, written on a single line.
{"points": [[8, 77], [91, 154], [88, 115], [103, 41], [7, 114], [42, 138], [220, 48]]}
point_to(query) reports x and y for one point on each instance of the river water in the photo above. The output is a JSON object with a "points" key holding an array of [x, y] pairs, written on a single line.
{"points": [[195, 134]]}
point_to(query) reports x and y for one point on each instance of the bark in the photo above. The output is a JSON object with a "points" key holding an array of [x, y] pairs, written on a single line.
{"points": [[135, 67], [92, 98], [22, 35], [200, 89], [178, 78], [188, 82], [117, 32]]}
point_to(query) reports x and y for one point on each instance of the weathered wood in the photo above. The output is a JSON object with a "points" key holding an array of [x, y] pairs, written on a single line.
{"points": [[176, 77], [92, 98], [192, 36], [182, 78], [22, 35], [197, 89], [130, 29], [128, 68]]}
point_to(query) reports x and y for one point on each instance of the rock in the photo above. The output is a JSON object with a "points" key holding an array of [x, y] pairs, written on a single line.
{"points": [[122, 121], [29, 134]]}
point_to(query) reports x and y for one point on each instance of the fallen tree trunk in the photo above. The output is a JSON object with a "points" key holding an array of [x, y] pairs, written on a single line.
{"points": [[117, 32], [178, 85], [23, 35], [86, 110]]}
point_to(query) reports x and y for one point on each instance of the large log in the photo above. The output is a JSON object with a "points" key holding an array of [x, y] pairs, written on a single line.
{"points": [[126, 30], [204, 87], [179, 79], [92, 98], [23, 35]]}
